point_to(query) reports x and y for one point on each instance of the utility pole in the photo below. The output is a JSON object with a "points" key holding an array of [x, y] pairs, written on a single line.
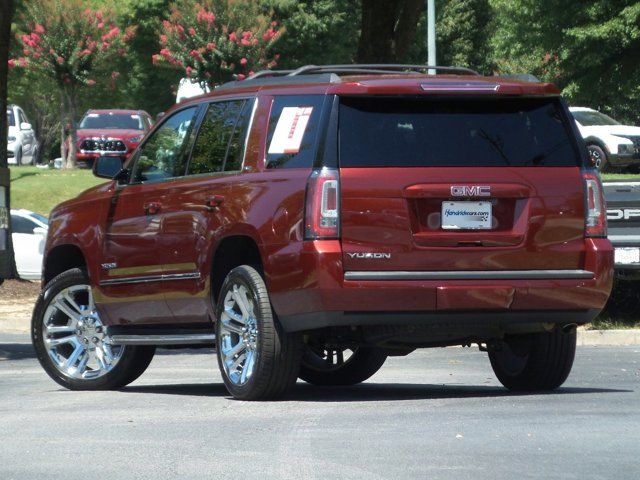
{"points": [[431, 34]]}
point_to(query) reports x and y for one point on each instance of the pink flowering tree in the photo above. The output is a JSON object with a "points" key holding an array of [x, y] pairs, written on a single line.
{"points": [[214, 41], [69, 43]]}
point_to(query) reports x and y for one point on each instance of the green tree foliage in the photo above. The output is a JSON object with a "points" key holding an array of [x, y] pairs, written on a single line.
{"points": [[317, 32], [591, 49]]}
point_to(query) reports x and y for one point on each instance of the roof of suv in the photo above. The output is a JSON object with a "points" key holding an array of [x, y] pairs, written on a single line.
{"points": [[381, 79], [116, 111]]}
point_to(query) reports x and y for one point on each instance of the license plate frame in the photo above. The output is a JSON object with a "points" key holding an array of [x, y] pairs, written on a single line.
{"points": [[466, 215], [627, 255]]}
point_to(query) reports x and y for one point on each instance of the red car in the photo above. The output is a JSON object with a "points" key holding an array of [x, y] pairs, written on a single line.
{"points": [[313, 223], [111, 133]]}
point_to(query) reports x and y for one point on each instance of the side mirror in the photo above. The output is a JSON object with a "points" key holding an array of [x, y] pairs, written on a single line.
{"points": [[25, 126], [107, 167], [40, 231]]}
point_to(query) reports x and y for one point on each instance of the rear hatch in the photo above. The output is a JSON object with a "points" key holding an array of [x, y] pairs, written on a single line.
{"points": [[459, 184]]}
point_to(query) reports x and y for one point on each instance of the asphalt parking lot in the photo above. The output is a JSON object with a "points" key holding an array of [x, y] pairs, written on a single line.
{"points": [[434, 414]]}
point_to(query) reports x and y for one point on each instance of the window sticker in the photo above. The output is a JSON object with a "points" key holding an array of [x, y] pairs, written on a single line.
{"points": [[290, 129]]}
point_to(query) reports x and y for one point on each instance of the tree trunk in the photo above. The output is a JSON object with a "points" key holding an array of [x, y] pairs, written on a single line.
{"points": [[387, 30], [6, 14], [73, 143], [63, 129], [7, 262]]}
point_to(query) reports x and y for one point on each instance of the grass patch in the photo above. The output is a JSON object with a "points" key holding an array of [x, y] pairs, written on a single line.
{"points": [[41, 189], [606, 177]]}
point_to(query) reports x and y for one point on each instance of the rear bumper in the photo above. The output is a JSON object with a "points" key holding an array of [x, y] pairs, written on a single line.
{"points": [[329, 298]]}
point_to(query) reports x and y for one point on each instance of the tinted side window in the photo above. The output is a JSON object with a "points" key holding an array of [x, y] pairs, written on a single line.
{"points": [[293, 127], [21, 225], [235, 154], [216, 131], [163, 155]]}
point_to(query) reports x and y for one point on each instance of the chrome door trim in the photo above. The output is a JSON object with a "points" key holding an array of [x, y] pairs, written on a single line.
{"points": [[151, 278], [470, 275]]}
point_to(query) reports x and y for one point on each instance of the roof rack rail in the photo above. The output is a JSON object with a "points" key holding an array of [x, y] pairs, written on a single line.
{"points": [[377, 68]]}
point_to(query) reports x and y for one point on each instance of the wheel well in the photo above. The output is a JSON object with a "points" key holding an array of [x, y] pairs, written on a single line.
{"points": [[597, 143], [61, 259], [231, 253]]}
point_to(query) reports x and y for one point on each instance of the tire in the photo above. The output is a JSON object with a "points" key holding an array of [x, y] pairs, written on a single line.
{"points": [[258, 360], [319, 368], [598, 158], [71, 342], [536, 361]]}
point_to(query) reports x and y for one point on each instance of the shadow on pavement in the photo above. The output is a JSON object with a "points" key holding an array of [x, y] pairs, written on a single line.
{"points": [[16, 351], [367, 392]]}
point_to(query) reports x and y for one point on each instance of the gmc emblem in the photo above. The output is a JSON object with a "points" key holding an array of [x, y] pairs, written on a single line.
{"points": [[624, 213], [470, 191]]}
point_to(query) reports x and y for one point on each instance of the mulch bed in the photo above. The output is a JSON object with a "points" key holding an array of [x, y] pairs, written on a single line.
{"points": [[19, 289]]}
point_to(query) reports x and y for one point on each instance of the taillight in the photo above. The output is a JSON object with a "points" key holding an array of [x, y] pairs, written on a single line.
{"points": [[322, 213], [596, 218]]}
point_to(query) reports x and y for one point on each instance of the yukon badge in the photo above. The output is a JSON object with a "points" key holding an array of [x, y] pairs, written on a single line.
{"points": [[371, 255], [470, 191]]}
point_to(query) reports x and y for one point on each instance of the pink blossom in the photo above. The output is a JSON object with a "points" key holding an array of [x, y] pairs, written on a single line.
{"points": [[39, 29], [243, 61], [189, 71], [240, 76], [115, 75], [274, 23], [246, 34], [101, 25], [211, 46], [99, 15], [105, 46], [23, 62], [11, 63], [91, 83], [233, 37], [155, 59], [194, 54], [254, 41], [245, 42], [60, 60], [165, 53], [192, 31], [180, 28], [163, 39]]}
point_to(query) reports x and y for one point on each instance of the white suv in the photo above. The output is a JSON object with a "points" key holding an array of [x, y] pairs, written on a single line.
{"points": [[610, 143], [21, 141]]}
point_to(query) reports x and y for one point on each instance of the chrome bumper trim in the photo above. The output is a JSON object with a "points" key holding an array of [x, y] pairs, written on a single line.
{"points": [[472, 275]]}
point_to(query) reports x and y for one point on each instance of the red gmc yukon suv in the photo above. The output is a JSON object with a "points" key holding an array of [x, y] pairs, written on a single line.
{"points": [[311, 223]]}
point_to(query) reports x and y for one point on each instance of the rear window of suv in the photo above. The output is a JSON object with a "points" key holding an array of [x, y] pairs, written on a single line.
{"points": [[410, 132]]}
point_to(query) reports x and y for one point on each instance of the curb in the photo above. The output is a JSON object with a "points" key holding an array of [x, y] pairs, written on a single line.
{"points": [[585, 337]]}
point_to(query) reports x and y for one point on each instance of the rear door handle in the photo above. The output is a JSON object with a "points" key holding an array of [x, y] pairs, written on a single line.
{"points": [[215, 201], [151, 208]]}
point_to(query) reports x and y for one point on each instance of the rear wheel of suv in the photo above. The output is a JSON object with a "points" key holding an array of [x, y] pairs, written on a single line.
{"points": [[327, 365], [536, 361], [72, 344], [258, 360]]}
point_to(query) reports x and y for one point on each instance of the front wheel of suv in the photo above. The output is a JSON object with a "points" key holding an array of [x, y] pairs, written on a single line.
{"points": [[536, 361], [71, 341], [258, 360], [329, 365]]}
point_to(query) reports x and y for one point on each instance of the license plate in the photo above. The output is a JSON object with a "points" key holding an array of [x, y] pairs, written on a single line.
{"points": [[466, 215], [627, 255]]}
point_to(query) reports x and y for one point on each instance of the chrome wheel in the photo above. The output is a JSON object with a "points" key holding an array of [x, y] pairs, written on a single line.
{"points": [[75, 338], [238, 333]]}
